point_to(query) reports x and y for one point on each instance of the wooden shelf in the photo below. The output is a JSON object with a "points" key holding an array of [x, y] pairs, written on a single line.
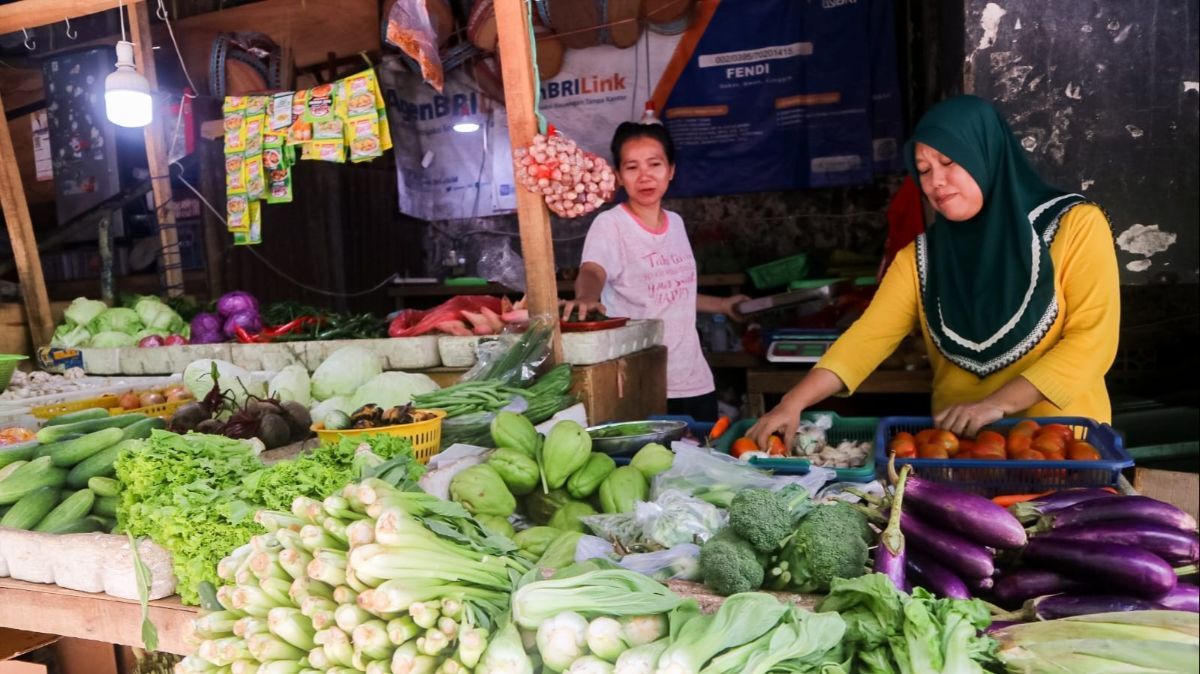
{"points": [[50, 609], [443, 290], [733, 360], [145, 284]]}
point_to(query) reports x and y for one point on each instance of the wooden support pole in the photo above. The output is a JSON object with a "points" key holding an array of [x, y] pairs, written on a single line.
{"points": [[24, 244], [156, 153], [537, 245]]}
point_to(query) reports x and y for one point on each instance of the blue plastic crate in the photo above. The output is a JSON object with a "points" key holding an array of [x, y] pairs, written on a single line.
{"points": [[993, 478], [698, 429]]}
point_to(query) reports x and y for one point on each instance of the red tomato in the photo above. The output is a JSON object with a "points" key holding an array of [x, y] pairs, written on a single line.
{"points": [[1061, 430], [742, 446], [1028, 455], [991, 438], [776, 446], [932, 451], [1083, 451], [1049, 443]]}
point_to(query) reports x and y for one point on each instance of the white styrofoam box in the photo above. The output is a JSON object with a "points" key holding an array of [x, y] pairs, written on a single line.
{"points": [[589, 348], [397, 353], [459, 351], [170, 359], [271, 357], [101, 361], [84, 562]]}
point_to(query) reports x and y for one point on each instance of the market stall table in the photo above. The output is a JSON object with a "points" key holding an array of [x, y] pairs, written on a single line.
{"points": [[779, 380], [50, 609]]}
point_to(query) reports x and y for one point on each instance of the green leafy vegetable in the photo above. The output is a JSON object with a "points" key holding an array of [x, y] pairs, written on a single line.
{"points": [[82, 311]]}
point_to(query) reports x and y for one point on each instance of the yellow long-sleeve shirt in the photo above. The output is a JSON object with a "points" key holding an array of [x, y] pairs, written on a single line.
{"points": [[1067, 366]]}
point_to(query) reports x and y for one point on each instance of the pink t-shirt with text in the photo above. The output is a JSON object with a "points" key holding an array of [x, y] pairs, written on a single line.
{"points": [[653, 276]]}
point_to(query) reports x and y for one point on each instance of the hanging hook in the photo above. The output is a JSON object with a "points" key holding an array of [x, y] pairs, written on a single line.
{"points": [[162, 11], [30, 43], [71, 34]]}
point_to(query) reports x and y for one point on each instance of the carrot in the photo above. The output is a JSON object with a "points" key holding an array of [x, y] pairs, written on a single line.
{"points": [[1006, 500], [719, 428]]}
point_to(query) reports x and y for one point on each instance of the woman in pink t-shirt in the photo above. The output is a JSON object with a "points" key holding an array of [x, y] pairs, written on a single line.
{"points": [[637, 262]]}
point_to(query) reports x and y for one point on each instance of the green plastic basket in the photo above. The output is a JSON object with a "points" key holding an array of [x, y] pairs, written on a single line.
{"points": [[858, 429], [779, 272], [8, 365]]}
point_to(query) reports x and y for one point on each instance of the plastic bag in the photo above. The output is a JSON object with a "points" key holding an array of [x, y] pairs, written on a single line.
{"points": [[409, 28], [619, 528], [674, 518], [501, 264], [716, 477], [513, 359], [681, 562], [592, 547], [468, 429]]}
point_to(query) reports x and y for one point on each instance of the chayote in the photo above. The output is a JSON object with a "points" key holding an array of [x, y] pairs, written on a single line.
{"points": [[542, 506], [519, 471], [585, 481], [567, 448], [496, 524], [533, 541], [623, 488], [561, 551], [568, 517], [482, 491], [652, 459], [514, 431]]}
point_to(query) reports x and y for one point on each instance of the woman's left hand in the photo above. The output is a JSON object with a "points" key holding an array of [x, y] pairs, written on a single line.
{"points": [[967, 420], [730, 305]]}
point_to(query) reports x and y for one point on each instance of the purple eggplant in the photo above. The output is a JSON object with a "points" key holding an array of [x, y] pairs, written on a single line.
{"points": [[969, 515], [1124, 508], [1185, 597], [935, 577], [969, 560], [1174, 546], [1019, 585], [1123, 568], [890, 553], [1058, 606], [1000, 624], [980, 586], [1028, 511]]}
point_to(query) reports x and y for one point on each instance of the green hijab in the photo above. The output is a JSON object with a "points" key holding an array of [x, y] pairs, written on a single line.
{"points": [[987, 284]]}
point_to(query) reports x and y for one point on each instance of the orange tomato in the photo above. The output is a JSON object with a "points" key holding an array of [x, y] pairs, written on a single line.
{"points": [[947, 440], [776, 446], [965, 447], [905, 450], [742, 446], [925, 436], [1055, 456], [1049, 443], [1027, 426], [1027, 455], [1061, 430], [1083, 451], [989, 452], [990, 438], [932, 451], [1018, 442], [903, 445]]}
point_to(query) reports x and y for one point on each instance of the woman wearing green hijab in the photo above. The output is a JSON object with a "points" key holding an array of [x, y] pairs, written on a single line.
{"points": [[1014, 286]]}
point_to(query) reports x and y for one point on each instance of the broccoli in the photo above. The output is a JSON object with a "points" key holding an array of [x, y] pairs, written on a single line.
{"points": [[729, 564], [766, 518], [827, 544]]}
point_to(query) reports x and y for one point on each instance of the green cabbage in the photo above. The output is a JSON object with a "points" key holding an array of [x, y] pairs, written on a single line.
{"points": [[323, 408], [111, 339], [390, 389], [157, 316], [82, 310], [71, 336], [118, 319], [344, 371], [292, 383]]}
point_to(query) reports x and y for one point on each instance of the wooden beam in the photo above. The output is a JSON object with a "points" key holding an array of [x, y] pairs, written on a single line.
{"points": [[24, 243], [156, 153], [537, 246], [33, 13]]}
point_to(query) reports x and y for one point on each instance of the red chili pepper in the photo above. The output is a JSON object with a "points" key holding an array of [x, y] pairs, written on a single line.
{"points": [[244, 337]]}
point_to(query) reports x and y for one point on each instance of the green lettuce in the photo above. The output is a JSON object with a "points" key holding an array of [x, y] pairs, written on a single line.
{"points": [[111, 339], [118, 319], [70, 336], [82, 310], [157, 316]]}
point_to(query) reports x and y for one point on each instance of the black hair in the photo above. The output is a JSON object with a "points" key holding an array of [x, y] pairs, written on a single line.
{"points": [[628, 131]]}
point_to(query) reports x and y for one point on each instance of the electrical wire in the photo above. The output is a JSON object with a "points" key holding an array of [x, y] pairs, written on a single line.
{"points": [[121, 20]]}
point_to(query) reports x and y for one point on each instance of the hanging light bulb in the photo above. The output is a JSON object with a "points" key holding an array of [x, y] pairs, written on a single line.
{"points": [[126, 92], [464, 123]]}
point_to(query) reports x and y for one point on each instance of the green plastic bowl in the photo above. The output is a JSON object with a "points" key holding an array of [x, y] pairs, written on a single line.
{"points": [[8, 365]]}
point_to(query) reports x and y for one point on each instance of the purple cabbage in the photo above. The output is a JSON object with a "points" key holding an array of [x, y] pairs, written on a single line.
{"points": [[246, 320], [206, 329], [236, 302]]}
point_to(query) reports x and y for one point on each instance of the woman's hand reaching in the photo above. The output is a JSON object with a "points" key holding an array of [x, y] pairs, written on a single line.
{"points": [[582, 307], [783, 420]]}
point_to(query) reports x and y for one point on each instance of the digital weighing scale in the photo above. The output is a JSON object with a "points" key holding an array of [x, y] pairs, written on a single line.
{"points": [[800, 346]]}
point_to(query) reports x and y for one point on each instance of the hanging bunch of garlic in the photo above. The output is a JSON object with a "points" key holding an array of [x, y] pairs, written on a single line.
{"points": [[572, 181]]}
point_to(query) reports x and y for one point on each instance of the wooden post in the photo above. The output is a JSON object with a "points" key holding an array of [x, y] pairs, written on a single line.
{"points": [[24, 244], [156, 154], [541, 290]]}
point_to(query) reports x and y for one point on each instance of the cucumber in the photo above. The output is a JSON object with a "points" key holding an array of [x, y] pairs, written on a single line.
{"points": [[31, 508], [11, 468], [22, 452], [70, 453], [82, 525], [55, 433], [106, 506], [98, 464], [44, 450], [89, 414], [141, 428], [40, 472], [72, 508], [103, 486]]}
